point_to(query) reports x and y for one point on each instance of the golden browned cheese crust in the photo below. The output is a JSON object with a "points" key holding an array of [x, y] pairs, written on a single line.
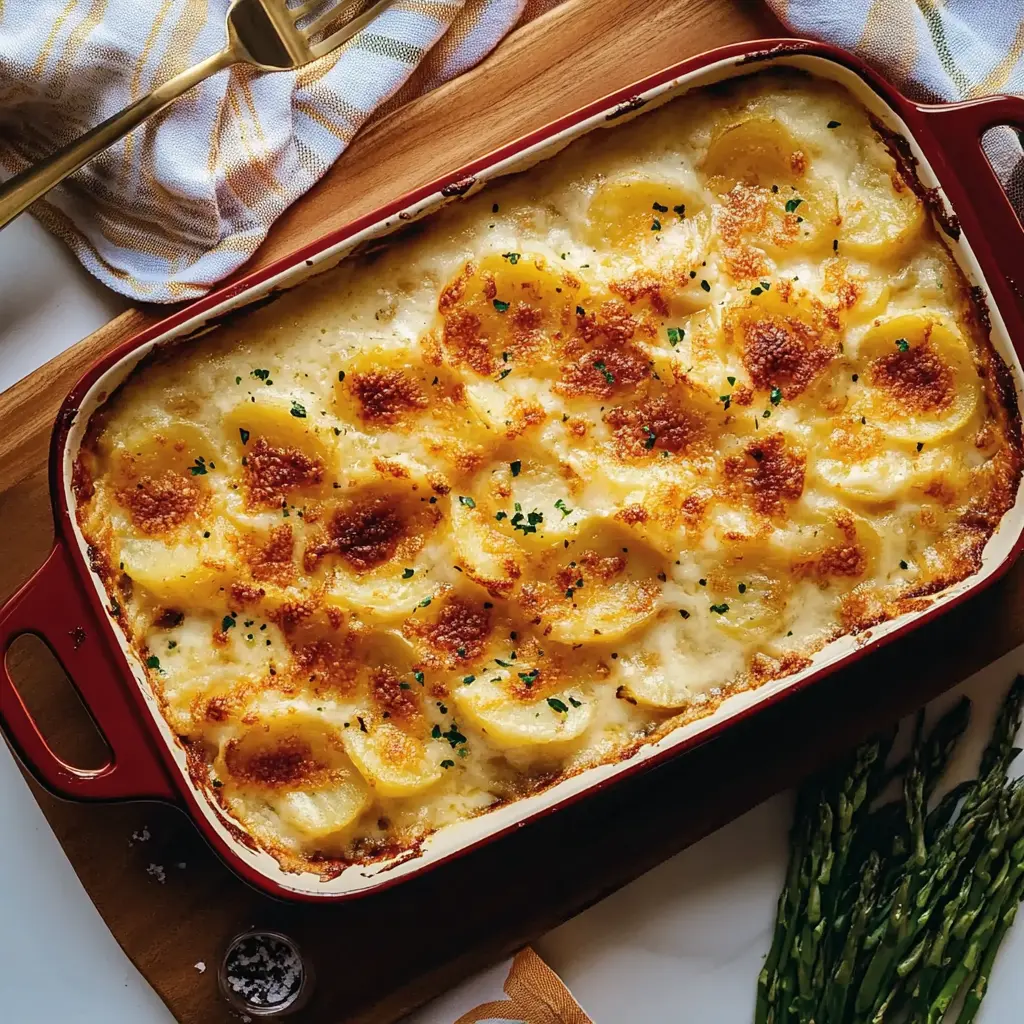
{"points": [[646, 426]]}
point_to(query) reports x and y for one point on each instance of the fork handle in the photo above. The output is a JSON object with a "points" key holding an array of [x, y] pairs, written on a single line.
{"points": [[26, 187]]}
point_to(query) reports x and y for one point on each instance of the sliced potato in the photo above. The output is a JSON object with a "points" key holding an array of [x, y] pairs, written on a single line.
{"points": [[506, 307], [635, 213], [298, 766], [179, 571], [283, 422], [648, 681], [510, 719], [918, 379], [755, 149], [600, 588], [393, 762], [488, 556], [881, 214], [320, 813], [177, 447]]}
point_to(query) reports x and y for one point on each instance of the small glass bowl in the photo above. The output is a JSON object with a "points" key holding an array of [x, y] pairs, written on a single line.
{"points": [[292, 1003]]}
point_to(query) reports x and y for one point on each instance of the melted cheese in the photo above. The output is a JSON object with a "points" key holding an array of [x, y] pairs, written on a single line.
{"points": [[588, 451]]}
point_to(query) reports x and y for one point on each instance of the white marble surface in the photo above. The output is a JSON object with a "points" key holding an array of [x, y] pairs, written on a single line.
{"points": [[682, 943]]}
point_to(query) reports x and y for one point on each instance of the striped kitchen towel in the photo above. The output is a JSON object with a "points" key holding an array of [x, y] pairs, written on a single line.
{"points": [[932, 50], [187, 198]]}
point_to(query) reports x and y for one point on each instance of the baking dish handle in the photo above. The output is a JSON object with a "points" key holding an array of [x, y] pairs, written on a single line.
{"points": [[958, 129], [54, 606]]}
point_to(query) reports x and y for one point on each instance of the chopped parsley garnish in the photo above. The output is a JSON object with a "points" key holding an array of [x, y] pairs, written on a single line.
{"points": [[920, 445], [436, 732], [199, 469], [731, 380], [742, 588], [650, 439], [227, 623], [766, 285], [500, 515], [529, 678], [563, 508], [244, 435], [705, 285], [527, 523], [447, 763], [684, 613], [833, 124], [407, 574], [504, 373], [418, 676], [404, 686], [608, 375], [703, 582], [153, 662], [580, 311], [467, 501], [238, 380], [453, 736], [298, 410], [466, 680], [726, 400], [902, 344], [835, 245], [503, 664], [515, 467], [756, 291], [660, 208], [655, 224], [512, 257], [574, 702], [903, 564], [855, 378], [556, 705], [792, 204], [171, 644], [776, 396], [424, 603], [261, 374], [500, 306], [719, 609], [680, 209], [675, 335], [766, 414]]}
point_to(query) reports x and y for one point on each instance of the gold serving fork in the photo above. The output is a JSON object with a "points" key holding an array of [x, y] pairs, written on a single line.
{"points": [[264, 33]]}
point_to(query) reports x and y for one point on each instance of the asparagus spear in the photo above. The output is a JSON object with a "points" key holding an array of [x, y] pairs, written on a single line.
{"points": [[837, 992], [975, 994], [785, 922], [888, 914]]}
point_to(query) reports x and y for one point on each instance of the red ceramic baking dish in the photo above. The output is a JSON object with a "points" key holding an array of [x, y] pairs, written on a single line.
{"points": [[64, 602]]}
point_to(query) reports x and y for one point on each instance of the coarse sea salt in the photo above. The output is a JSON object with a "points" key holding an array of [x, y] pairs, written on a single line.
{"points": [[264, 971]]}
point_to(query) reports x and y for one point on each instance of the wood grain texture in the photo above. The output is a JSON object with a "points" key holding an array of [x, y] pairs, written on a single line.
{"points": [[381, 956]]}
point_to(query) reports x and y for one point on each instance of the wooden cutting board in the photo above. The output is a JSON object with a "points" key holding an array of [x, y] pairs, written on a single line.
{"points": [[380, 957]]}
